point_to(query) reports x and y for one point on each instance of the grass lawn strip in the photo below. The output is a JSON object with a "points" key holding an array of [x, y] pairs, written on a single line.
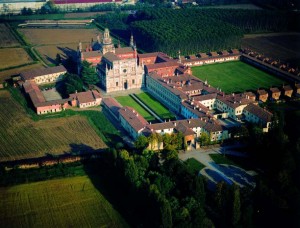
{"points": [[221, 159], [194, 165], [129, 101], [235, 77], [67, 202], [155, 105]]}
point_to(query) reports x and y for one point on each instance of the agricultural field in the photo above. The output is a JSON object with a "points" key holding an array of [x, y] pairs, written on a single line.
{"points": [[129, 101], [235, 77], [67, 202], [6, 74], [58, 36], [21, 137], [280, 46], [50, 42], [155, 105], [6, 37], [10, 57], [49, 52], [83, 15]]}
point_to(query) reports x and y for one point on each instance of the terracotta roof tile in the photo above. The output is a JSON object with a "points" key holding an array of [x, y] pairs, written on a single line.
{"points": [[134, 119], [261, 113], [31, 74]]}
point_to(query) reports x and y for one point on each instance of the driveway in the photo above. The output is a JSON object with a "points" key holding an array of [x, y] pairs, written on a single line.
{"points": [[215, 172]]}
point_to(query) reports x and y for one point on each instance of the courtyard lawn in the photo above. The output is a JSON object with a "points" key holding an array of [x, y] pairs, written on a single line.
{"points": [[66, 202], [221, 159], [194, 165], [235, 76], [155, 105], [129, 101]]}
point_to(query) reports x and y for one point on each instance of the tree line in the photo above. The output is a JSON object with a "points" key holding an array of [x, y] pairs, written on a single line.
{"points": [[194, 30]]}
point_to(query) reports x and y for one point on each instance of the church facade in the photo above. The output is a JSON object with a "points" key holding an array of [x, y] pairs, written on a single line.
{"points": [[117, 67]]}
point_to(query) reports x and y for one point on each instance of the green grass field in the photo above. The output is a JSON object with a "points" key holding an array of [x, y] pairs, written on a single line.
{"points": [[67, 202], [235, 76], [194, 165], [155, 105], [128, 101]]}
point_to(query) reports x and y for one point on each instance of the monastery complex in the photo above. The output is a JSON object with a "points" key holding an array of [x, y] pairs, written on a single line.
{"points": [[199, 106]]}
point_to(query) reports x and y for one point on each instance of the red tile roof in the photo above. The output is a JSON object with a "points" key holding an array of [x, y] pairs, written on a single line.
{"points": [[59, 2], [261, 113], [85, 97], [111, 57], [134, 119], [124, 50], [31, 74], [91, 54]]}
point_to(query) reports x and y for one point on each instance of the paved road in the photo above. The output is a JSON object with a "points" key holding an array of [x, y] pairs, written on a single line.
{"points": [[203, 156]]}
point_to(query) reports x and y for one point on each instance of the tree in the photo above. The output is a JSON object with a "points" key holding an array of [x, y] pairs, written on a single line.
{"points": [[166, 214], [88, 73], [236, 206], [204, 139], [141, 142], [73, 83], [58, 59]]}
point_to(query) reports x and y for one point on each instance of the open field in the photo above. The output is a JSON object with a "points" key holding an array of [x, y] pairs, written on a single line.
{"points": [[155, 105], [83, 15], [21, 137], [128, 101], [58, 36], [6, 37], [284, 47], [49, 52], [50, 42], [67, 202], [236, 6], [10, 57], [6, 74], [236, 77]]}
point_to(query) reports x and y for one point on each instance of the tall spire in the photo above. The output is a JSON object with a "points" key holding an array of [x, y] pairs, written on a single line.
{"points": [[131, 41], [80, 46]]}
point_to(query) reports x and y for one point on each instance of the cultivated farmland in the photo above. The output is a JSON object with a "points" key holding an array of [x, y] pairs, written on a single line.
{"points": [[235, 77], [155, 105], [283, 47], [68, 202], [6, 37], [21, 137], [10, 57], [58, 36], [49, 42], [129, 101], [6, 74]]}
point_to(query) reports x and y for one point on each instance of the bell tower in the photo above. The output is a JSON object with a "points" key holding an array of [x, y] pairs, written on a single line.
{"points": [[107, 45]]}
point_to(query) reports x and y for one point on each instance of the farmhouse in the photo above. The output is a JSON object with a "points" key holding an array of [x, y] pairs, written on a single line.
{"points": [[85, 99], [262, 95], [287, 90], [44, 75], [41, 105], [255, 114], [15, 6], [275, 93]]}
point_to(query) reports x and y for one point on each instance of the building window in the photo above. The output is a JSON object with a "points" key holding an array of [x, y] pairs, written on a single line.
{"points": [[117, 83], [133, 81]]}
